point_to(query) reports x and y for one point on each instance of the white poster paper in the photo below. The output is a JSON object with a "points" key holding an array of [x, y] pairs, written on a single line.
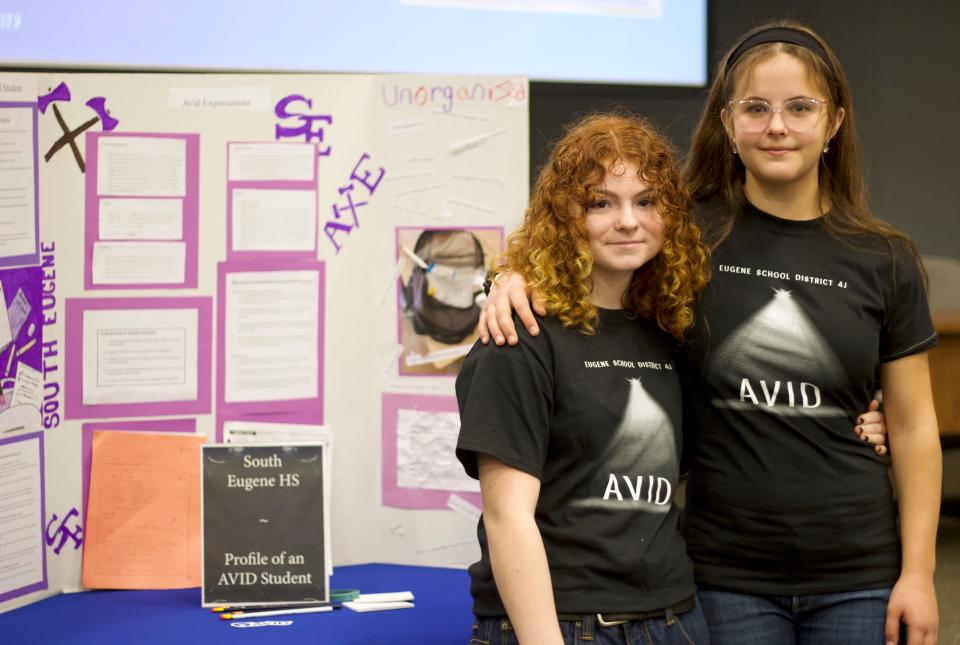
{"points": [[272, 335], [139, 355], [139, 262], [426, 452], [28, 387], [253, 98], [274, 220], [463, 507], [141, 219], [18, 233], [19, 88], [142, 166], [6, 333], [257, 432], [21, 531], [271, 161]]}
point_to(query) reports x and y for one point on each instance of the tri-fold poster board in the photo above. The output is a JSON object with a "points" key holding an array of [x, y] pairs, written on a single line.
{"points": [[189, 259]]}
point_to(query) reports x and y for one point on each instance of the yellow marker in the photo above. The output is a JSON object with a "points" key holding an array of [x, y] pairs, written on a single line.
{"points": [[27, 346]]}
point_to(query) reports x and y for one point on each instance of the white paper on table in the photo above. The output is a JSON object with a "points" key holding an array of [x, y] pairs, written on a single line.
{"points": [[364, 607], [141, 219], [142, 166], [18, 224], [389, 596], [6, 333], [271, 161], [139, 262], [21, 531], [426, 452], [272, 335], [139, 355], [274, 220], [28, 387]]}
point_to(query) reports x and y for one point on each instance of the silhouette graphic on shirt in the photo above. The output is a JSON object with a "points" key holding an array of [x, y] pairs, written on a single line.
{"points": [[758, 363], [639, 465]]}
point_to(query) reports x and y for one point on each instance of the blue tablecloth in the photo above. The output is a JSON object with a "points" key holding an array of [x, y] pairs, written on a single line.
{"points": [[442, 615]]}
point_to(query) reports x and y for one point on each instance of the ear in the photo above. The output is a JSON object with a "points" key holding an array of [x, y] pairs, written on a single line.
{"points": [[727, 121], [837, 122]]}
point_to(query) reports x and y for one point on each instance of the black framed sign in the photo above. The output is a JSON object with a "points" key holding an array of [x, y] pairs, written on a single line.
{"points": [[264, 524]]}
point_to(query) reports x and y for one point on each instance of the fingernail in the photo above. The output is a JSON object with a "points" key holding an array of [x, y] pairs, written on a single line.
{"points": [[512, 339], [858, 430], [864, 437], [534, 330], [860, 420], [499, 340]]}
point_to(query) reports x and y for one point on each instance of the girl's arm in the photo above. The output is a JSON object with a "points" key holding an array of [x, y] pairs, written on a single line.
{"points": [[516, 550], [917, 469], [508, 294]]}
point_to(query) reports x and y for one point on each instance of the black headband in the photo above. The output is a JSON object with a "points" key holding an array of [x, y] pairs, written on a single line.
{"points": [[780, 35]]}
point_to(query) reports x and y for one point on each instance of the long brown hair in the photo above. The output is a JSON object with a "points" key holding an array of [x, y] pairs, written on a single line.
{"points": [[551, 248], [714, 174]]}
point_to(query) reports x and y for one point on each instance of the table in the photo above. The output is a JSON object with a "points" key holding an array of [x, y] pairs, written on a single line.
{"points": [[945, 373], [442, 615], [945, 380]]}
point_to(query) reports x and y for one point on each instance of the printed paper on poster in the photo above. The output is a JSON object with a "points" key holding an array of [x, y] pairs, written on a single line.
{"points": [[274, 220], [18, 224], [21, 537], [272, 335], [139, 263], [271, 161], [137, 218], [139, 356], [142, 166]]}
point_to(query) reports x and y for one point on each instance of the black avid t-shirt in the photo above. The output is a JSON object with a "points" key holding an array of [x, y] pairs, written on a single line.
{"points": [[783, 497], [597, 420]]}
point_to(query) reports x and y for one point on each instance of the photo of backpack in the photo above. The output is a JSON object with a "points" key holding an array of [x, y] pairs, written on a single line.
{"points": [[441, 299]]}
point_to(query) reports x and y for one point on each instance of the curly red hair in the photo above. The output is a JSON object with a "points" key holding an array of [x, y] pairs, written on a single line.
{"points": [[551, 248]]}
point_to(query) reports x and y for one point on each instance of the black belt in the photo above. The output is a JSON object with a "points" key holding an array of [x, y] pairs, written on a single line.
{"points": [[609, 620]]}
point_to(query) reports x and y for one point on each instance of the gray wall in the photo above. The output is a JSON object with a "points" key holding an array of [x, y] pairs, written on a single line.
{"points": [[903, 62]]}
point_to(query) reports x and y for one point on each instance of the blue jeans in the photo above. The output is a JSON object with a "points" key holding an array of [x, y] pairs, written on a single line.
{"points": [[687, 628], [847, 618]]}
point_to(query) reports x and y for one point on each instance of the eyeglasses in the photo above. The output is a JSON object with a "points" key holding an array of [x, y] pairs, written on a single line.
{"points": [[799, 115]]}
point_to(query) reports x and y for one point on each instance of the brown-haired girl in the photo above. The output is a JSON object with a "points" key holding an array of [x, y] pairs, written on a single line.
{"points": [[575, 435], [791, 525]]}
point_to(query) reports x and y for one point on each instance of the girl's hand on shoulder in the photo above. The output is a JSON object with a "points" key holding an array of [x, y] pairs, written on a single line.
{"points": [[872, 428], [508, 293], [913, 602]]}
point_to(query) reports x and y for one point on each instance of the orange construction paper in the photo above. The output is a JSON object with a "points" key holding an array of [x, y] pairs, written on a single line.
{"points": [[143, 511]]}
